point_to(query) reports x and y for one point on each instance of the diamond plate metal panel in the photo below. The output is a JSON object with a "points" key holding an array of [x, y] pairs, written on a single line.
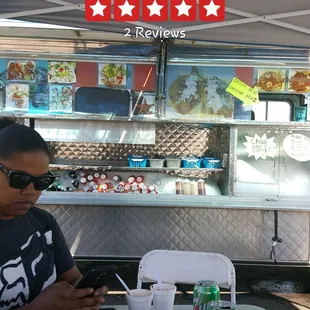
{"points": [[81, 151], [88, 230], [238, 234], [175, 139], [171, 139], [293, 229]]}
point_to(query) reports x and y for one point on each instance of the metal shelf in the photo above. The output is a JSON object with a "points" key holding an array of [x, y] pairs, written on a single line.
{"points": [[173, 201], [95, 117], [73, 116], [123, 168]]}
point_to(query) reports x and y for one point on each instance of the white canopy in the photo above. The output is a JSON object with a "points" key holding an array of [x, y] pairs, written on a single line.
{"points": [[282, 23]]}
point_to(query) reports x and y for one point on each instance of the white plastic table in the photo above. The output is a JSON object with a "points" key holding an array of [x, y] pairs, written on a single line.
{"points": [[186, 307]]}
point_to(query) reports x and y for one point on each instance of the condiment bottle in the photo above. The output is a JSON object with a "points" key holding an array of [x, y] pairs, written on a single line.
{"points": [[142, 186], [186, 186], [90, 177], [104, 186], [140, 179], [128, 186], [103, 176], [72, 175], [135, 186], [83, 180], [120, 189], [131, 179], [152, 188], [194, 188], [75, 183], [91, 184], [157, 182], [201, 187], [117, 178], [97, 175], [179, 187]]}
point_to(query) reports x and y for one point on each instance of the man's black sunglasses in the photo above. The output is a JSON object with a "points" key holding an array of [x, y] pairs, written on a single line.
{"points": [[20, 180]]}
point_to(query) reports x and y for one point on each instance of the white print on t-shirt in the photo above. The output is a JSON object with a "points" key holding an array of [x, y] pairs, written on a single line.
{"points": [[14, 281], [14, 286]]}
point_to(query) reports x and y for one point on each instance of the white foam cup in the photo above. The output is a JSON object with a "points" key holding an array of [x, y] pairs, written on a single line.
{"points": [[139, 299], [163, 299]]}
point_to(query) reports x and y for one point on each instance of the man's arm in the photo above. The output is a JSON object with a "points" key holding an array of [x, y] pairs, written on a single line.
{"points": [[74, 274], [70, 276], [28, 307], [65, 265], [59, 296], [64, 262]]}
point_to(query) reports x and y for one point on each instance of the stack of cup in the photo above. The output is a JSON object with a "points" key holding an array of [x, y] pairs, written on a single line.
{"points": [[139, 299], [163, 298]]}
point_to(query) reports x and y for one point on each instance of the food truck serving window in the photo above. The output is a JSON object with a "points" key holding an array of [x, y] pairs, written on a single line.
{"points": [[277, 111], [277, 107]]}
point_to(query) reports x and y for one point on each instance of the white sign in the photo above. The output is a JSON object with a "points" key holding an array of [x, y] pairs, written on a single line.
{"points": [[297, 146], [260, 147]]}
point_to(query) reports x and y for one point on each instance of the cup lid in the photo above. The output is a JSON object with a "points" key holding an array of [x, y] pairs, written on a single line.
{"points": [[140, 293], [166, 287]]}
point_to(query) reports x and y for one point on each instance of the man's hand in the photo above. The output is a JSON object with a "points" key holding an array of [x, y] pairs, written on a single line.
{"points": [[101, 291], [62, 296]]}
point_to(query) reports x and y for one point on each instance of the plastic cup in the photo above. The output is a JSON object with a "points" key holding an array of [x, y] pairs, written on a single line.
{"points": [[163, 299], [140, 299]]}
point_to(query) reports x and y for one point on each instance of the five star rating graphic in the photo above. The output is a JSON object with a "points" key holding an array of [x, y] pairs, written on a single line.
{"points": [[155, 10]]}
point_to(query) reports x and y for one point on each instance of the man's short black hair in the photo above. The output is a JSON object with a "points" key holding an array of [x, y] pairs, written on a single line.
{"points": [[16, 138]]}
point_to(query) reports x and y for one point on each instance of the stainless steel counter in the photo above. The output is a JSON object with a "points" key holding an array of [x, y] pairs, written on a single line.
{"points": [[174, 201]]}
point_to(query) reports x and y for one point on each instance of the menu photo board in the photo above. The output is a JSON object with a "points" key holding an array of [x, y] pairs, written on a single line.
{"points": [[199, 92], [116, 90], [17, 97], [50, 86], [61, 82], [25, 85], [143, 105], [283, 80]]}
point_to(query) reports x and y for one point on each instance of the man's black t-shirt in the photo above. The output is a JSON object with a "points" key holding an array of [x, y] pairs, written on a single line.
{"points": [[33, 253]]}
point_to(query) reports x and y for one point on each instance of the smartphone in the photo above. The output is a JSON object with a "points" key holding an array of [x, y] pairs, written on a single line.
{"points": [[95, 277]]}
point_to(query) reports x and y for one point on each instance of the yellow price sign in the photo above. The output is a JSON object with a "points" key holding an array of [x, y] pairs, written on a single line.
{"points": [[243, 92]]}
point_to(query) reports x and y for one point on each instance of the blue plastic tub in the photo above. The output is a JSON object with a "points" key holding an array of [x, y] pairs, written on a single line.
{"points": [[212, 163], [191, 162], [137, 161]]}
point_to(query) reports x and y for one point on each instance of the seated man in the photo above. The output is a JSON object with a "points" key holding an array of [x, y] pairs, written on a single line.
{"points": [[37, 270]]}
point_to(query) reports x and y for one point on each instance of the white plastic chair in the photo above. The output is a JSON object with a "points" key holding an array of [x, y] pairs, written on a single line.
{"points": [[188, 268]]}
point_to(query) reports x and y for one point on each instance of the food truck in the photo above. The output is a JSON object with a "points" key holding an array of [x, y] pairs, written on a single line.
{"points": [[199, 144]]}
